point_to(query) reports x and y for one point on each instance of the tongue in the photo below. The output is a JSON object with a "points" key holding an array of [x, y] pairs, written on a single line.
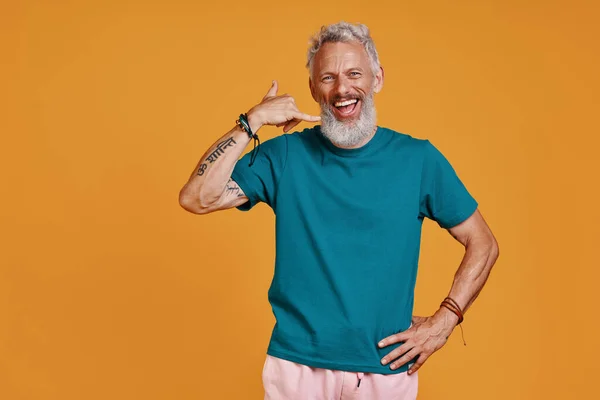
{"points": [[347, 109]]}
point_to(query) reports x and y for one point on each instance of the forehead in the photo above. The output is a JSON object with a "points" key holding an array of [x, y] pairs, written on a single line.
{"points": [[340, 54]]}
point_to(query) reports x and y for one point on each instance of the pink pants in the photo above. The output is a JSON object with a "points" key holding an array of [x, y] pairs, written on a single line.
{"points": [[287, 380]]}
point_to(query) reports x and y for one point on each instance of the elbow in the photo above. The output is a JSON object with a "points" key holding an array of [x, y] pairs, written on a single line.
{"points": [[192, 207], [489, 244], [486, 247], [494, 250], [495, 246], [193, 203]]}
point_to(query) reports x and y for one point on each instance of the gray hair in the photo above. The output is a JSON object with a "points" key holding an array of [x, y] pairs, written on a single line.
{"points": [[343, 32]]}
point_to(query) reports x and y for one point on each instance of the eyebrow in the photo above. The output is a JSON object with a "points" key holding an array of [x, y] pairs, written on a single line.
{"points": [[359, 69]]}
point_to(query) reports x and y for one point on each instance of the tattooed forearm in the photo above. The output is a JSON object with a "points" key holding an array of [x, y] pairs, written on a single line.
{"points": [[220, 149], [207, 188]]}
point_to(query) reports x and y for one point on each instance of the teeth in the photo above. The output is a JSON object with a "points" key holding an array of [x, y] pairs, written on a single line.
{"points": [[345, 103]]}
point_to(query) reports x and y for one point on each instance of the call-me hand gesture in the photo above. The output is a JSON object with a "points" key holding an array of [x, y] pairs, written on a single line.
{"points": [[277, 110]]}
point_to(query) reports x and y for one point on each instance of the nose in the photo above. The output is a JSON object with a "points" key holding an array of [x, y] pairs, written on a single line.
{"points": [[342, 86]]}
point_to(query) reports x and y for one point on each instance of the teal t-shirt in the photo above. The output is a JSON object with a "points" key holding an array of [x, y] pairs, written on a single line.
{"points": [[348, 233]]}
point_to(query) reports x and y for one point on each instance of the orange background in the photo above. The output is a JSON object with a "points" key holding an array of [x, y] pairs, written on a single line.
{"points": [[110, 290]]}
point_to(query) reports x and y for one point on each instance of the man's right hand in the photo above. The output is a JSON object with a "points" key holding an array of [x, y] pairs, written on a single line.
{"points": [[277, 110]]}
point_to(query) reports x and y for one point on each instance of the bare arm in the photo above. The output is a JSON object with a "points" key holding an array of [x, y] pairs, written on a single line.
{"points": [[210, 187], [429, 334], [481, 252]]}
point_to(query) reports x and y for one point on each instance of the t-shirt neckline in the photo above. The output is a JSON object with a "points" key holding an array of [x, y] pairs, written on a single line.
{"points": [[359, 151]]}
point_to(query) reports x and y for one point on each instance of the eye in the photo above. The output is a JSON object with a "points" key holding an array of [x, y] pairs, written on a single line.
{"points": [[355, 74], [326, 78]]}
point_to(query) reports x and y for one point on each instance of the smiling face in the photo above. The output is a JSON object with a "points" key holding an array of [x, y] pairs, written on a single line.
{"points": [[343, 83]]}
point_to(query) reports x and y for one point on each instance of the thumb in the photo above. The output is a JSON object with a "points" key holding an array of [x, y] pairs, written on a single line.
{"points": [[272, 91]]}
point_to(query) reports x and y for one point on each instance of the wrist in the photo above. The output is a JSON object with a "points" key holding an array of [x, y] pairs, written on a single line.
{"points": [[446, 318], [254, 120]]}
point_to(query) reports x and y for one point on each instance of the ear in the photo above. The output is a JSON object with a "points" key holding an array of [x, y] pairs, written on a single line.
{"points": [[379, 80]]}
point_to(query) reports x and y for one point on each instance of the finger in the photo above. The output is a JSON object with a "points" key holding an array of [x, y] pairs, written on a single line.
{"points": [[397, 352], [395, 338], [272, 90], [306, 117], [418, 364], [405, 358], [291, 124]]}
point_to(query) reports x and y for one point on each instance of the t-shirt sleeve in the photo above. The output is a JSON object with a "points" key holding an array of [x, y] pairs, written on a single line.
{"points": [[259, 181], [444, 198]]}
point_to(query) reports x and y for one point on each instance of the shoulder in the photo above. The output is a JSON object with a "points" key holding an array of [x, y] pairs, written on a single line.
{"points": [[275, 145], [406, 140], [306, 139]]}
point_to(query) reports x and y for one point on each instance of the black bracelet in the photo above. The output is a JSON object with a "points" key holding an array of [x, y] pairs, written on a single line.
{"points": [[243, 123]]}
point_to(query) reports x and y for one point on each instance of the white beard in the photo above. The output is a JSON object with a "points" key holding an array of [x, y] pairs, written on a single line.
{"points": [[351, 133]]}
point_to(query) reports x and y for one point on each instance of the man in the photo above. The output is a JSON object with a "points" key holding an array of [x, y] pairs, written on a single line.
{"points": [[349, 198]]}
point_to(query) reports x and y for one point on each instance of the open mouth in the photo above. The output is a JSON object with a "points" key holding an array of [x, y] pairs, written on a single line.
{"points": [[346, 108]]}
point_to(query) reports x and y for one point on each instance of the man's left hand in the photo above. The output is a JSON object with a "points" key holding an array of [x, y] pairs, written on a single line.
{"points": [[426, 336]]}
